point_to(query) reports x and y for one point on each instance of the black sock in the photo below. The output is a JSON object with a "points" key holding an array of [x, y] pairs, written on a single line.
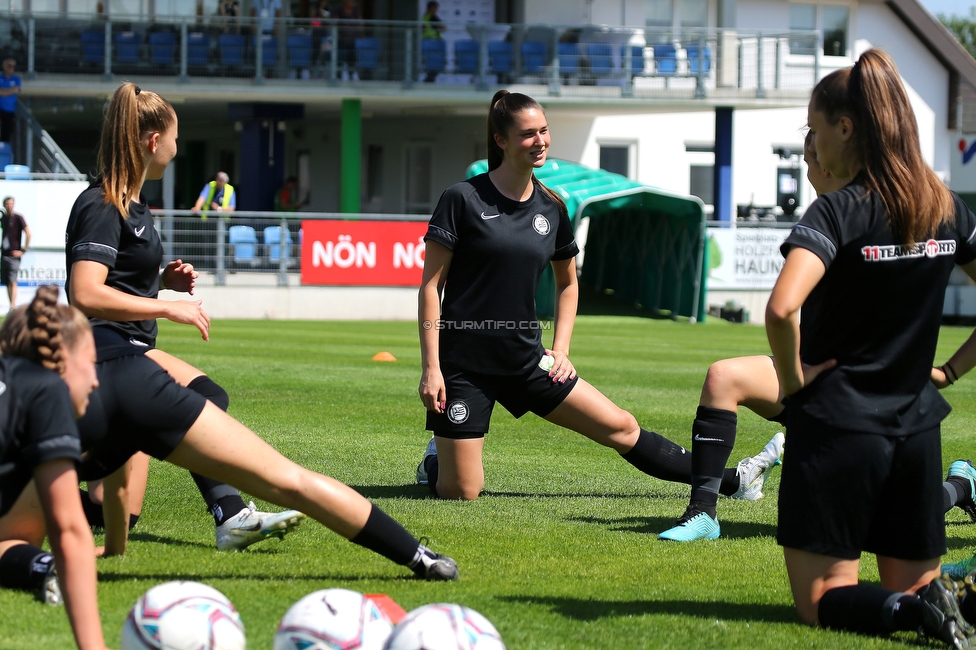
{"points": [[383, 535], [956, 491], [223, 501], [94, 514], [24, 567], [869, 609], [712, 439], [433, 468], [659, 457]]}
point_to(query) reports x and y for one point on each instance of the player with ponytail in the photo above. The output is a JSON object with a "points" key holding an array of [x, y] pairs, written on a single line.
{"points": [[39, 441], [488, 242], [114, 256], [868, 264]]}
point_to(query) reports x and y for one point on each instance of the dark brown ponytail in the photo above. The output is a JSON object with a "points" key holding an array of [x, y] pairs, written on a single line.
{"points": [[42, 329]]}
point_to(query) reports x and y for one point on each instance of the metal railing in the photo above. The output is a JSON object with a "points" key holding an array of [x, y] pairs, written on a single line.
{"points": [[568, 59], [246, 242], [34, 147]]}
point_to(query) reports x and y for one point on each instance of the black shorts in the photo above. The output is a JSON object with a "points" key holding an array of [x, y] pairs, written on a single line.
{"points": [[844, 492], [9, 268], [471, 397], [136, 407]]}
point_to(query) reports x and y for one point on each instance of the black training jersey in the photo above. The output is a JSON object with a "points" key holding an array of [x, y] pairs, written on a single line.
{"points": [[130, 248], [501, 247], [37, 424], [877, 310]]}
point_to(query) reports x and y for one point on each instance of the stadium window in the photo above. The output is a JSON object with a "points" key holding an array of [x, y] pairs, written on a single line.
{"points": [[702, 183], [133, 8], [418, 161], [87, 7], [803, 18], [617, 158], [43, 6], [657, 14], [832, 20], [693, 13], [835, 22], [184, 7]]}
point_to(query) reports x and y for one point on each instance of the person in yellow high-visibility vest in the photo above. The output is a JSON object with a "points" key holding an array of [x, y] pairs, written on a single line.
{"points": [[217, 195]]}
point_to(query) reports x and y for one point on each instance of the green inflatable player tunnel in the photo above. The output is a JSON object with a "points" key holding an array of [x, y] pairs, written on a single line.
{"points": [[644, 245]]}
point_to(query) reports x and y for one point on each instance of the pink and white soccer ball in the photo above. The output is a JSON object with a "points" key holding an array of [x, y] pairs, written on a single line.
{"points": [[444, 626], [333, 619], [183, 615]]}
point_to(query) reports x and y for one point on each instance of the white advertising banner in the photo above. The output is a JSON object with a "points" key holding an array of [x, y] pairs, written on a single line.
{"points": [[744, 258], [962, 169]]}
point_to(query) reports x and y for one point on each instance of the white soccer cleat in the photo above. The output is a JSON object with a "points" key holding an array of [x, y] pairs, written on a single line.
{"points": [[431, 450], [249, 526], [754, 471], [50, 592]]}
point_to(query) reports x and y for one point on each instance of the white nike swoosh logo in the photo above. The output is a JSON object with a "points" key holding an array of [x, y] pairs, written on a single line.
{"points": [[139, 231], [488, 216], [701, 439]]}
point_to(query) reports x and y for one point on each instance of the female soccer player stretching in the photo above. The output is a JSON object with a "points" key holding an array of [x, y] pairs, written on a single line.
{"points": [[869, 265], [39, 441], [487, 244], [163, 418], [113, 259]]}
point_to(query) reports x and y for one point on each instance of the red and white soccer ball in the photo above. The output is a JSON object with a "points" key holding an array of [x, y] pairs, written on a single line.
{"points": [[444, 626], [333, 619], [183, 615]]}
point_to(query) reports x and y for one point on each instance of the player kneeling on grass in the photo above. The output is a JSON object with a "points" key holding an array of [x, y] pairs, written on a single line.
{"points": [[868, 265], [488, 242], [39, 441]]}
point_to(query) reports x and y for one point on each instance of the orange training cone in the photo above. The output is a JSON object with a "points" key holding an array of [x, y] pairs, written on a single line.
{"points": [[384, 356]]}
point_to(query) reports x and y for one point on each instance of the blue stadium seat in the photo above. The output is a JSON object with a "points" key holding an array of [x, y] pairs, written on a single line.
{"points": [[269, 50], [466, 54], [17, 172], [245, 242], [706, 59], [93, 46], [197, 48], [299, 50], [231, 49], [600, 56], [568, 58], [367, 53], [636, 58], [162, 46], [127, 46], [665, 59], [434, 53], [272, 239], [500, 56], [534, 56]]}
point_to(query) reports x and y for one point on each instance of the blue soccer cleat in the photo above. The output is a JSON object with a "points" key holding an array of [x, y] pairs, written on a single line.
{"points": [[964, 469], [694, 524]]}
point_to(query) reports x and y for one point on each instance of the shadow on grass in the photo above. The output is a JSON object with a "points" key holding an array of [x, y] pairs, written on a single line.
{"points": [[585, 609], [655, 525], [113, 576], [407, 491], [414, 491]]}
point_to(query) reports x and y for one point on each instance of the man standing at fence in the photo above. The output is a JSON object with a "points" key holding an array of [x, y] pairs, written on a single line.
{"points": [[14, 228], [9, 90], [216, 196]]}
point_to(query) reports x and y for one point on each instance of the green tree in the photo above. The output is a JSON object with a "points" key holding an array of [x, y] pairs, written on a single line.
{"points": [[964, 29]]}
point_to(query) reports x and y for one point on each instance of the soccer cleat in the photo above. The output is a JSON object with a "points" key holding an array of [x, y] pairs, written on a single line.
{"points": [[50, 592], [941, 617], [431, 450], [433, 566], [964, 469], [959, 570], [754, 471], [249, 526], [693, 525]]}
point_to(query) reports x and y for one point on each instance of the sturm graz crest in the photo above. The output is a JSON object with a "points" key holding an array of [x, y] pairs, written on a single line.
{"points": [[457, 412], [540, 224]]}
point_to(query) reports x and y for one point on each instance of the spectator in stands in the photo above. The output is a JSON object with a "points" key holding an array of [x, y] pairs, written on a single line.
{"points": [[217, 195], [9, 90], [348, 33], [14, 228], [267, 11], [432, 26], [229, 10], [287, 200]]}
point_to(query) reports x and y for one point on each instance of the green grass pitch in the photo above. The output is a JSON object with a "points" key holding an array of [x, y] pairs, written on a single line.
{"points": [[560, 551]]}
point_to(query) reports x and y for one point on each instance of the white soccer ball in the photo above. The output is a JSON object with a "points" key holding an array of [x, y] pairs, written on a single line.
{"points": [[444, 626], [333, 619], [183, 615]]}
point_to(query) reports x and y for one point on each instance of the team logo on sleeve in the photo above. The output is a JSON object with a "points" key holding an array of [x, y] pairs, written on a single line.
{"points": [[540, 224], [931, 249], [457, 412]]}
